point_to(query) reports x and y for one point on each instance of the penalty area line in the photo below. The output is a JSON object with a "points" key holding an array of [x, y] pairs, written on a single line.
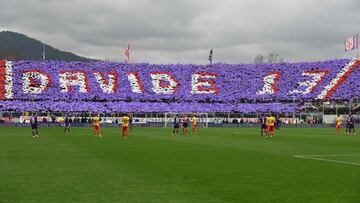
{"points": [[328, 160]]}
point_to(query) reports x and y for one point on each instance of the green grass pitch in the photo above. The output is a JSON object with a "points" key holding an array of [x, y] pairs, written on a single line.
{"points": [[216, 165]]}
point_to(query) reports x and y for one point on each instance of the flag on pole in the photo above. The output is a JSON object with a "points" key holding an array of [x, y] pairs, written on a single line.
{"points": [[43, 53], [352, 43], [211, 56], [127, 53]]}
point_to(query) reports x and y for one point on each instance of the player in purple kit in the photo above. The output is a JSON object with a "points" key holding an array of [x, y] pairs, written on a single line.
{"points": [[262, 121], [34, 126], [346, 119], [176, 125], [277, 122], [67, 124], [351, 130]]}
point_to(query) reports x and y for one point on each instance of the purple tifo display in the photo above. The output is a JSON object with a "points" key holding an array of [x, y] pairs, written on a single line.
{"points": [[58, 86], [141, 107]]}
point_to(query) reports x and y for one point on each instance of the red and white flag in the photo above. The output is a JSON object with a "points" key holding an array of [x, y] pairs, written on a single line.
{"points": [[127, 53], [352, 43]]}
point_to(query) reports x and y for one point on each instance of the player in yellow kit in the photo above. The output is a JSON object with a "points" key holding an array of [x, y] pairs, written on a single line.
{"points": [[96, 125], [193, 124], [338, 125], [125, 126], [267, 125], [270, 123]]}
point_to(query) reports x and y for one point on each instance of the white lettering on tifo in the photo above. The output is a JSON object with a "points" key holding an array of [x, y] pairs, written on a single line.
{"points": [[109, 85], [67, 79], [163, 83], [339, 79], [203, 83], [8, 80], [310, 85], [35, 82], [270, 84], [135, 83]]}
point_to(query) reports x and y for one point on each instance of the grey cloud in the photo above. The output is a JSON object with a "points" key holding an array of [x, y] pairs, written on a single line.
{"points": [[183, 31]]}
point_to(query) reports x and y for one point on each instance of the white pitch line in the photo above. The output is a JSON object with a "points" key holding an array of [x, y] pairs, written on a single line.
{"points": [[329, 160], [330, 155]]}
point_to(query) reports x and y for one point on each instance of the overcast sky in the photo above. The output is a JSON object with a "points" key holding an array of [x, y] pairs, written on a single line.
{"points": [[183, 31]]}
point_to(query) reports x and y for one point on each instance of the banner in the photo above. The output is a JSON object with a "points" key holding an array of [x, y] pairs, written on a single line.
{"points": [[101, 81]]}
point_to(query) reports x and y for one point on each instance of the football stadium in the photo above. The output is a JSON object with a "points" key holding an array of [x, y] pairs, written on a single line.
{"points": [[114, 131]]}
